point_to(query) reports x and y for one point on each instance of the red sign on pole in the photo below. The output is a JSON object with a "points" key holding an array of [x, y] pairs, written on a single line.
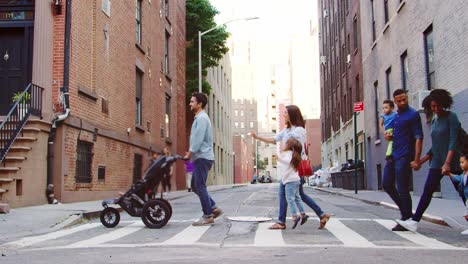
{"points": [[358, 106]]}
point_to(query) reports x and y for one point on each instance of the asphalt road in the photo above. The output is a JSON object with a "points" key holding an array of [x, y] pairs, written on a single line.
{"points": [[357, 233]]}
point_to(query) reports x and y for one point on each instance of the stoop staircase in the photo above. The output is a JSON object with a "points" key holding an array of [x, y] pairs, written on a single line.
{"points": [[23, 151]]}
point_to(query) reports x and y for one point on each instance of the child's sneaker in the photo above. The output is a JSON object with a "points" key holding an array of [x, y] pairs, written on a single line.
{"points": [[464, 232]]}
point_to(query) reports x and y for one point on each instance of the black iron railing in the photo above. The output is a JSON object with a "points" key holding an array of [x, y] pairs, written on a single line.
{"points": [[29, 102]]}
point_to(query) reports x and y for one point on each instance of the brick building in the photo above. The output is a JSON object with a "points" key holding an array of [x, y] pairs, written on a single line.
{"points": [[114, 73], [313, 133], [417, 46], [340, 78]]}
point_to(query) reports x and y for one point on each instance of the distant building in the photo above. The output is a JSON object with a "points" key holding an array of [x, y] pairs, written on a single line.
{"points": [[341, 77], [244, 116], [220, 111]]}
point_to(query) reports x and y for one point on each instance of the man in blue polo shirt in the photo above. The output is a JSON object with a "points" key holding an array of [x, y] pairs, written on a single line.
{"points": [[407, 143]]}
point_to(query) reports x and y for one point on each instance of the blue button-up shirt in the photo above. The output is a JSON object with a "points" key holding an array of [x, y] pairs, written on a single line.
{"points": [[201, 138], [406, 129]]}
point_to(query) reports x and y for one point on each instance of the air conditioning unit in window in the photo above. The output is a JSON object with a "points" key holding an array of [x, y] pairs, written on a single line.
{"points": [[323, 59], [348, 59], [325, 13], [417, 99]]}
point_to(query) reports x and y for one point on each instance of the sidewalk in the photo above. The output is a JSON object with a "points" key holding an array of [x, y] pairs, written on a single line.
{"points": [[40, 219], [441, 211]]}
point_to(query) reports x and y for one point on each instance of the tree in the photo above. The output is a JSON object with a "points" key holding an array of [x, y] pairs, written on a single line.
{"points": [[260, 163], [200, 17]]}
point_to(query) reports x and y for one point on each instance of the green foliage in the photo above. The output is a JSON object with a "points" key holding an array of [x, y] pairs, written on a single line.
{"points": [[260, 163], [17, 97], [200, 17]]}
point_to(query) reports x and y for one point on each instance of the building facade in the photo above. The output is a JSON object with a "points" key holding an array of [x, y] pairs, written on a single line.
{"points": [[113, 74], [244, 116], [341, 79], [416, 46], [313, 132], [220, 111]]}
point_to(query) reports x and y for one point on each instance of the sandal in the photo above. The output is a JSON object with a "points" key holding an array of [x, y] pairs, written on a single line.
{"points": [[304, 219], [277, 226], [295, 221], [323, 220]]}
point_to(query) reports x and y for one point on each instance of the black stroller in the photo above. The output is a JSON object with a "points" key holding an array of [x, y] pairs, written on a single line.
{"points": [[140, 200]]}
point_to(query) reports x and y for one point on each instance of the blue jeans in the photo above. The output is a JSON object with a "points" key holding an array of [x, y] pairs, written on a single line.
{"points": [[199, 177], [400, 171], [432, 181], [293, 198], [309, 201], [305, 198]]}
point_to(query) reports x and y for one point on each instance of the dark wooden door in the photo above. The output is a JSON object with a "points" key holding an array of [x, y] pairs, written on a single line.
{"points": [[13, 75]]}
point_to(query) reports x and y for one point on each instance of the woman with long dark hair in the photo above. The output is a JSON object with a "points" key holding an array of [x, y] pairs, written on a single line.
{"points": [[444, 153], [295, 128]]}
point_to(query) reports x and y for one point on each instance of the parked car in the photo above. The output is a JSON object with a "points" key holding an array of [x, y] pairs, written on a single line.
{"points": [[265, 179]]}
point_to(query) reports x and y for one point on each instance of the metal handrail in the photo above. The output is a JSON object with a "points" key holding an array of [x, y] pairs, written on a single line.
{"points": [[28, 103]]}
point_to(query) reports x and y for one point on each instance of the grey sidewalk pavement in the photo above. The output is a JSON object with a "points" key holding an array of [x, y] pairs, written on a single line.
{"points": [[40, 219], [441, 211]]}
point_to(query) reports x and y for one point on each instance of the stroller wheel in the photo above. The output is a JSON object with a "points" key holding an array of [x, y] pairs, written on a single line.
{"points": [[166, 202], [110, 217], [155, 214]]}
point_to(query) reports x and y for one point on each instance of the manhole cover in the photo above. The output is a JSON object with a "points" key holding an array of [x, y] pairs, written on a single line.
{"points": [[249, 218]]}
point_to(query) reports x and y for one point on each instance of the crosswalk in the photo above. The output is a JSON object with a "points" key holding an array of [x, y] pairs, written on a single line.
{"points": [[339, 232]]}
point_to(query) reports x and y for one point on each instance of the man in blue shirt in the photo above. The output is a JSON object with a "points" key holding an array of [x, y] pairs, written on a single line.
{"points": [[407, 143], [202, 156]]}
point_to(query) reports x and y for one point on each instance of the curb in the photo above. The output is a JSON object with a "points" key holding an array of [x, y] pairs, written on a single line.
{"points": [[426, 217]]}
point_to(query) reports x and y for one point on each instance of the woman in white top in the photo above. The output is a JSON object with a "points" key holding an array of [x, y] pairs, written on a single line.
{"points": [[294, 129]]}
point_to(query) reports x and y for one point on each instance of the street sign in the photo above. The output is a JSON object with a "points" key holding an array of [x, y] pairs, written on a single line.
{"points": [[358, 106]]}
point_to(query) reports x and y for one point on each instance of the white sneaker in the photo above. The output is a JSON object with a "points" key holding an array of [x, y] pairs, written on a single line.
{"points": [[464, 232], [409, 224]]}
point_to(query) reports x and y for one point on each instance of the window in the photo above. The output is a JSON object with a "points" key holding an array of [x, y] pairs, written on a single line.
{"points": [[84, 158], [139, 93], [388, 73], [236, 112], [242, 112], [265, 161], [168, 116], [358, 90], [351, 103], [373, 20], [105, 7], [376, 101], [274, 161], [137, 167], [346, 151], [236, 124], [386, 11], [242, 124], [101, 173], [166, 7], [355, 29], [429, 50], [138, 22], [166, 54], [404, 70], [251, 124]]}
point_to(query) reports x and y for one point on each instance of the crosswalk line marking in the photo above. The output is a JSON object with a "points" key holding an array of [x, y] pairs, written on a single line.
{"points": [[416, 237], [114, 235], [28, 241], [267, 237], [188, 236], [346, 235]]}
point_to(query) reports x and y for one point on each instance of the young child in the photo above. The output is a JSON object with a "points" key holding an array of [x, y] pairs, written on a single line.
{"points": [[462, 183], [386, 123], [288, 161]]}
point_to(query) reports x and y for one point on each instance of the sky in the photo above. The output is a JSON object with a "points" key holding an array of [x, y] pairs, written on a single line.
{"points": [[265, 45]]}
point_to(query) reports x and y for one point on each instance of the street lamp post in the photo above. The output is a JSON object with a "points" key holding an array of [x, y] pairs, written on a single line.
{"points": [[200, 34]]}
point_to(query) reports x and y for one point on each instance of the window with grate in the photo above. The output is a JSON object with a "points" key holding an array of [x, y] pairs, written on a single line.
{"points": [[84, 159], [404, 70], [166, 53], [167, 116], [429, 50], [137, 167]]}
